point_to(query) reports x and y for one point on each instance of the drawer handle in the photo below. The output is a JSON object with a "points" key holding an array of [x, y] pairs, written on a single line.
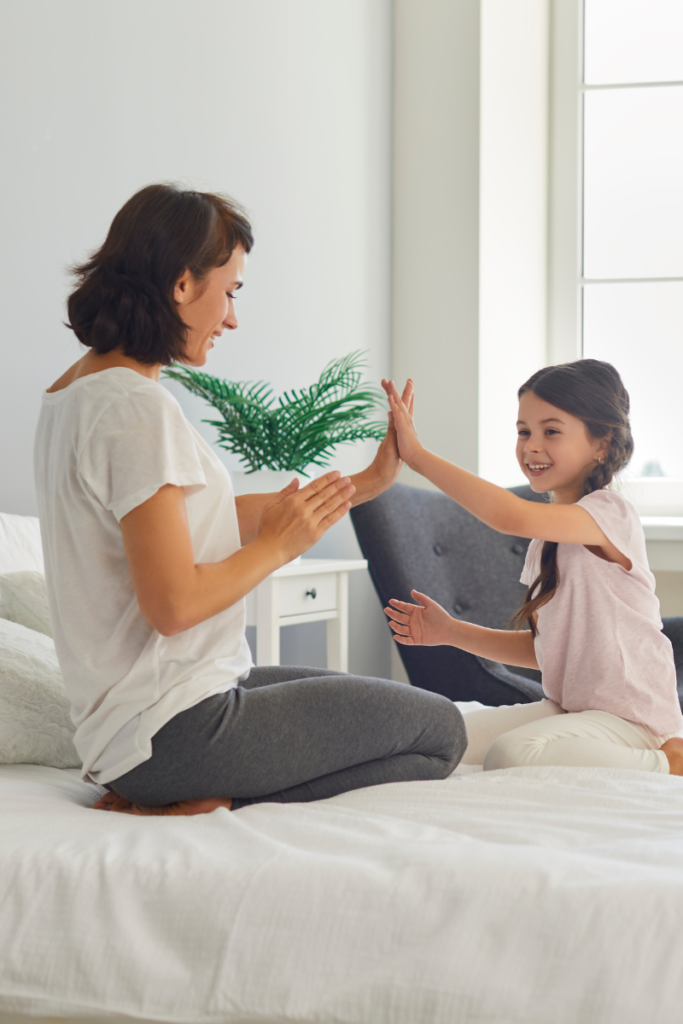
{"points": [[312, 593]]}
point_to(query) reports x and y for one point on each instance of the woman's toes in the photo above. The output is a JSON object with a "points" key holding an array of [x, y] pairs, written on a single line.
{"points": [[200, 806], [105, 802], [113, 802]]}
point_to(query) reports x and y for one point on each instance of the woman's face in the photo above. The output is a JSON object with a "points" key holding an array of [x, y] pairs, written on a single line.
{"points": [[207, 306]]}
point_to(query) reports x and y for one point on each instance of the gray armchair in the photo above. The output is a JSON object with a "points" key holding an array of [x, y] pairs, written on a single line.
{"points": [[414, 538]]}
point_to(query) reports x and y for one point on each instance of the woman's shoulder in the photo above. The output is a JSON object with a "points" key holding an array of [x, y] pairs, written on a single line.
{"points": [[117, 387], [113, 402]]}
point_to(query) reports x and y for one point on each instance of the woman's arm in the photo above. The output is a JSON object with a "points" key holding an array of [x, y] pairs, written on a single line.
{"points": [[495, 506], [428, 624], [249, 511], [175, 594]]}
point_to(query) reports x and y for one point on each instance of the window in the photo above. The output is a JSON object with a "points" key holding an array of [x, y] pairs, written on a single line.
{"points": [[632, 237]]}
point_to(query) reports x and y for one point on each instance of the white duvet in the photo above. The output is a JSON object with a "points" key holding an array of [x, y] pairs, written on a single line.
{"points": [[545, 895]]}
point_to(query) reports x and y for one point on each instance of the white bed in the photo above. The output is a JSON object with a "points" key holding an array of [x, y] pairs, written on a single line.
{"points": [[530, 895]]}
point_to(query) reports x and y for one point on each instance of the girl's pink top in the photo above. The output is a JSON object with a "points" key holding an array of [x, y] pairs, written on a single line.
{"points": [[600, 645]]}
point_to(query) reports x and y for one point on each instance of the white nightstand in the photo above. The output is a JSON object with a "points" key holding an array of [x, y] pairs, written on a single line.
{"points": [[312, 590]]}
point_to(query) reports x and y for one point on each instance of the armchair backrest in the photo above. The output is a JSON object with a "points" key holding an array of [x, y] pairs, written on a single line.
{"points": [[415, 538]]}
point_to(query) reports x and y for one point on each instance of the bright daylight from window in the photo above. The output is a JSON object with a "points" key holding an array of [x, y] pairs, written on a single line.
{"points": [[633, 215]]}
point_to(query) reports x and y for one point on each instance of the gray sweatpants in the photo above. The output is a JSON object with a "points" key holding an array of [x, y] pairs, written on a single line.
{"points": [[298, 734]]}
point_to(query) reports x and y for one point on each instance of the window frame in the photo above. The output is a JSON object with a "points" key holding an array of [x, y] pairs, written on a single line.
{"points": [[566, 280]]}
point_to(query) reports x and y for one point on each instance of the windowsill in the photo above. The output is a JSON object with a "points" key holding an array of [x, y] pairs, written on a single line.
{"points": [[664, 542], [660, 528]]}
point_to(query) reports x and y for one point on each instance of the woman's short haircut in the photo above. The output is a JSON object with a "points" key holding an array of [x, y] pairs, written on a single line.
{"points": [[124, 298]]}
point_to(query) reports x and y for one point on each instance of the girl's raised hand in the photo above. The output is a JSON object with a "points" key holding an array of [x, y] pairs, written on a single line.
{"points": [[402, 409], [426, 623]]}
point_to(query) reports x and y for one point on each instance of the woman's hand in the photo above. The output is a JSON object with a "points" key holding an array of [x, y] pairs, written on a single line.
{"points": [[296, 517], [425, 624], [403, 423], [383, 471], [388, 462]]}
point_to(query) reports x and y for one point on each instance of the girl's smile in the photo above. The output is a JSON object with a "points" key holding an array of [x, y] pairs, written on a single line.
{"points": [[538, 469]]}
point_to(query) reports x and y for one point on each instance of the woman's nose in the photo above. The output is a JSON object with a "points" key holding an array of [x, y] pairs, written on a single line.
{"points": [[230, 320]]}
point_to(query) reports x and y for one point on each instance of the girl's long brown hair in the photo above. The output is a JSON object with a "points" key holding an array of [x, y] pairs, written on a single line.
{"points": [[593, 391]]}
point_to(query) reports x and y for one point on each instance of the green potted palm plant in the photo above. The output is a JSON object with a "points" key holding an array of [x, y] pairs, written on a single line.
{"points": [[296, 433]]}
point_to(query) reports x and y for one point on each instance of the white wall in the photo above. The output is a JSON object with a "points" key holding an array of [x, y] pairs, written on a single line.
{"points": [[512, 222], [436, 219], [564, 185], [284, 105], [470, 219]]}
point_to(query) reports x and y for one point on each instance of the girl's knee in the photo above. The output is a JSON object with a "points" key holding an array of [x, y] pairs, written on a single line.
{"points": [[504, 752]]}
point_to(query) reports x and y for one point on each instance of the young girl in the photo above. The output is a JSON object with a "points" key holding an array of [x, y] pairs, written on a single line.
{"points": [[593, 619]]}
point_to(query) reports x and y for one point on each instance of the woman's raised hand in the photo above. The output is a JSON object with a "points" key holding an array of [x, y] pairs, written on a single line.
{"points": [[402, 408], [387, 463], [426, 623], [295, 518]]}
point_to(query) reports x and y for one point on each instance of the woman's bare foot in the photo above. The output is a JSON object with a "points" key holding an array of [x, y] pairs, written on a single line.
{"points": [[673, 750], [114, 802]]}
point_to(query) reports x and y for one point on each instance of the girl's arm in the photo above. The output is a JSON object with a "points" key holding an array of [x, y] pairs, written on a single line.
{"points": [[175, 594], [495, 506], [427, 623]]}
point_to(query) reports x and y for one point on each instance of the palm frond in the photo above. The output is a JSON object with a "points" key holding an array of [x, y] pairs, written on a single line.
{"points": [[303, 427]]}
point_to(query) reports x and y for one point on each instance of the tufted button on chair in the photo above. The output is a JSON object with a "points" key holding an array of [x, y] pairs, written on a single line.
{"points": [[414, 538]]}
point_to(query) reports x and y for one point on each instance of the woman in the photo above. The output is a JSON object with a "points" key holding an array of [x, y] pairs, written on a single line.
{"points": [[149, 555]]}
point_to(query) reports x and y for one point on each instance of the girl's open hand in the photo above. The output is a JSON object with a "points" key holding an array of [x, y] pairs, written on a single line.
{"points": [[387, 463], [402, 419], [425, 623]]}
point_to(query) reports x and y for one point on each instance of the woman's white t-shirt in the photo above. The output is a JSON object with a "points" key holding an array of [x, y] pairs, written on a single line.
{"points": [[600, 645], [104, 445]]}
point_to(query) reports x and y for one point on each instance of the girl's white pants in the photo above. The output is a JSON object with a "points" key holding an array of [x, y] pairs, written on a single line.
{"points": [[543, 733]]}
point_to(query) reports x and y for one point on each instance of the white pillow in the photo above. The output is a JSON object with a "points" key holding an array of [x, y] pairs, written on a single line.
{"points": [[20, 546], [24, 595], [35, 720]]}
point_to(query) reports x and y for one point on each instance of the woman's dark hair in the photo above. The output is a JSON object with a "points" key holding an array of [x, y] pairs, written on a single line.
{"points": [[124, 297], [593, 391]]}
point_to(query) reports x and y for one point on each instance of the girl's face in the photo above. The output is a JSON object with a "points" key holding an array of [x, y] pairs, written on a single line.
{"points": [[207, 306], [554, 449]]}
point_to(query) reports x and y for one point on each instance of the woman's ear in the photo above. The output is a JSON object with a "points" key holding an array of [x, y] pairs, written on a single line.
{"points": [[182, 290]]}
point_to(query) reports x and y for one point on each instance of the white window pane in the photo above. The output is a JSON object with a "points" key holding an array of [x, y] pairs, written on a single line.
{"points": [[639, 329], [633, 183], [633, 41]]}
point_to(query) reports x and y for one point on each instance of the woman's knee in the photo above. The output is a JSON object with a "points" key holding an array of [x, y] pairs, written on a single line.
{"points": [[453, 738]]}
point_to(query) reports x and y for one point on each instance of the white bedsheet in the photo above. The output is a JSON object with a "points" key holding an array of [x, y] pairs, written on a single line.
{"points": [[545, 895]]}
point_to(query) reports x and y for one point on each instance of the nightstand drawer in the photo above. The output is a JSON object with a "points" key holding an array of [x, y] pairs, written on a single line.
{"points": [[297, 594]]}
